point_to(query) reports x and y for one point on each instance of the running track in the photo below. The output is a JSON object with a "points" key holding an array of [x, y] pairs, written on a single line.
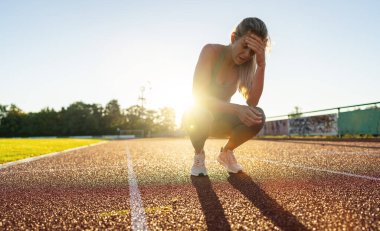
{"points": [[144, 184]]}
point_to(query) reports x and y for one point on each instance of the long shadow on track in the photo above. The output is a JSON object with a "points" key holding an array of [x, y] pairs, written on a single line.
{"points": [[211, 206], [268, 206]]}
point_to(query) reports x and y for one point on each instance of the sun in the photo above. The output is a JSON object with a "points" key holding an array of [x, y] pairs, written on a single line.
{"points": [[180, 106], [179, 102]]}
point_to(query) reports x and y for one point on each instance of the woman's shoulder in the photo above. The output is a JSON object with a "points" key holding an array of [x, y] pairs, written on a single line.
{"points": [[212, 49]]}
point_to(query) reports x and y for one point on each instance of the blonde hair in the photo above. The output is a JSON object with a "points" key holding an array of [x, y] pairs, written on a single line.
{"points": [[247, 70]]}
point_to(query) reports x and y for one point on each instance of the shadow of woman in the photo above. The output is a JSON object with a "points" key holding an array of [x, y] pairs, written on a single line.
{"points": [[268, 206], [211, 206]]}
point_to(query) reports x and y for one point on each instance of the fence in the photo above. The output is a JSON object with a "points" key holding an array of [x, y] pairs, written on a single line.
{"points": [[342, 122]]}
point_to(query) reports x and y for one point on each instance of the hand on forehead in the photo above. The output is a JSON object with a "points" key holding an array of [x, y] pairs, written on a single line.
{"points": [[252, 35]]}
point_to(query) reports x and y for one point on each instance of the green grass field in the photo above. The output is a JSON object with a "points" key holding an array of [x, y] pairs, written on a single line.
{"points": [[16, 149]]}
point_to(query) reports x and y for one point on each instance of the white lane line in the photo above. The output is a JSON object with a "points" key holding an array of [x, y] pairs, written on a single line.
{"points": [[137, 210], [27, 160], [49, 170], [313, 168]]}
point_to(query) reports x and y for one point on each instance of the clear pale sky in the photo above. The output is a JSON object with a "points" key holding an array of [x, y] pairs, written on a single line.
{"points": [[53, 53]]}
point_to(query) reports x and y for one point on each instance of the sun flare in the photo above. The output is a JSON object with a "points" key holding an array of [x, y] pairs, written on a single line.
{"points": [[180, 106]]}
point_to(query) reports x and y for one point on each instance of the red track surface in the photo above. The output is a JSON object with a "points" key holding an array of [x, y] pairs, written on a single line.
{"points": [[287, 185]]}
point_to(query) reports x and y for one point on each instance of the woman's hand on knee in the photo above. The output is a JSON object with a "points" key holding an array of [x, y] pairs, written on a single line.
{"points": [[249, 115]]}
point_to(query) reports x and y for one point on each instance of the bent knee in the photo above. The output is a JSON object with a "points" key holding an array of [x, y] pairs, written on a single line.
{"points": [[262, 113], [258, 127], [197, 117]]}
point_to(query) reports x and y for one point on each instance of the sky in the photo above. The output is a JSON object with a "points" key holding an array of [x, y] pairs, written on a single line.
{"points": [[324, 53]]}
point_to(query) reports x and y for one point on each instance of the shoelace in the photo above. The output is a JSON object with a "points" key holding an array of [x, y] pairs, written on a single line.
{"points": [[198, 161]]}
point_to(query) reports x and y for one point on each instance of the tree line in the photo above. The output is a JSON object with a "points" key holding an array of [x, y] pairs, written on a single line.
{"points": [[82, 119]]}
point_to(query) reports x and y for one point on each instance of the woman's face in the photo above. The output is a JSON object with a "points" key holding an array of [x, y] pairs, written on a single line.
{"points": [[241, 53]]}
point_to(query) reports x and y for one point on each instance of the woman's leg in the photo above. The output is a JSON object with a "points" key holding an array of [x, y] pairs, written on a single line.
{"points": [[197, 123], [238, 132]]}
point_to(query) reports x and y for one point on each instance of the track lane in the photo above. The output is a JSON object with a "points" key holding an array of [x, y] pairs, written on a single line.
{"points": [[90, 189]]}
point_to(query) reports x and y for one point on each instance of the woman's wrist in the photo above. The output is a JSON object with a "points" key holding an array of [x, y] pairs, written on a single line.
{"points": [[249, 103]]}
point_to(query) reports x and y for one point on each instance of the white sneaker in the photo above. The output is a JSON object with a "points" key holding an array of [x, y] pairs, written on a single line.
{"points": [[199, 168], [228, 160]]}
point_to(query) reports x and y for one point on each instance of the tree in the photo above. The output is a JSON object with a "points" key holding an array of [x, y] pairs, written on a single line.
{"points": [[296, 113], [97, 117], [78, 119], [11, 123], [84, 119], [3, 112], [138, 118], [113, 116], [166, 119], [43, 123]]}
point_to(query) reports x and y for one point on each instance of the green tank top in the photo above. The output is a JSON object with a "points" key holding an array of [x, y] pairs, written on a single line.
{"points": [[215, 88]]}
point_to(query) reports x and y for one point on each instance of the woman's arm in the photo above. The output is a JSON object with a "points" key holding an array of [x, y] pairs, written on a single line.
{"points": [[258, 46], [257, 87]]}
